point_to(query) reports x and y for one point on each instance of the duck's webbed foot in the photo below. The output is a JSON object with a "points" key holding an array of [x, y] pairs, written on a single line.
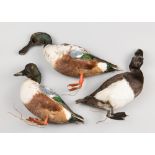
{"points": [[38, 121], [75, 86], [117, 116]]}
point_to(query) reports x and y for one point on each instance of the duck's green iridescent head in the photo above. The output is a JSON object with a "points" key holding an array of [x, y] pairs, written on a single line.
{"points": [[31, 71], [39, 38]]}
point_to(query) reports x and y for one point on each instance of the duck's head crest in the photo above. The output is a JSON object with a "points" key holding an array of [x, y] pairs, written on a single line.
{"points": [[137, 60], [31, 71], [39, 38]]}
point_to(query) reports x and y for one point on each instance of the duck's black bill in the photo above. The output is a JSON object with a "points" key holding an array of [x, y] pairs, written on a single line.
{"points": [[20, 73], [25, 49]]}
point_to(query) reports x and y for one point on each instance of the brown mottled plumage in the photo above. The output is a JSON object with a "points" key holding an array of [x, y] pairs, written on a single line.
{"points": [[73, 67], [41, 106]]}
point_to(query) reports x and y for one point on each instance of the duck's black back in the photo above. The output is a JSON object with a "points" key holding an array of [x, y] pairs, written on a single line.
{"points": [[135, 79]]}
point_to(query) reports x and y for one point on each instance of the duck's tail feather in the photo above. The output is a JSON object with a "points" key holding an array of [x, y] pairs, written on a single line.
{"points": [[81, 101], [110, 66], [77, 118], [89, 100]]}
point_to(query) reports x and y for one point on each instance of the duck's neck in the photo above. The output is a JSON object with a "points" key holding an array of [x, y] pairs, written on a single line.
{"points": [[138, 74], [36, 79]]}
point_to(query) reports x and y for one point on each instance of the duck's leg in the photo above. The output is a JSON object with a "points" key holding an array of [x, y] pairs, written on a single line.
{"points": [[39, 121], [75, 86], [111, 114], [116, 116]]}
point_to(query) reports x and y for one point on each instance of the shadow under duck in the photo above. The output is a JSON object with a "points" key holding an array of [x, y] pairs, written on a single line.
{"points": [[42, 101], [68, 59], [119, 90]]}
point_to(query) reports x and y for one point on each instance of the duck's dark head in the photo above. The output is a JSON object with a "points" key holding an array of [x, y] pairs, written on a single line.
{"points": [[36, 39], [31, 71], [137, 60]]}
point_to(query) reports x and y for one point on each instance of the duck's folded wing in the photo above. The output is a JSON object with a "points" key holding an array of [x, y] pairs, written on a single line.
{"points": [[83, 58], [47, 91], [80, 53], [109, 82], [54, 96], [87, 57]]}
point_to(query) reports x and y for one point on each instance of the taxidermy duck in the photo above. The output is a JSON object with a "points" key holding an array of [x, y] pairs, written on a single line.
{"points": [[42, 101], [70, 60], [119, 90]]}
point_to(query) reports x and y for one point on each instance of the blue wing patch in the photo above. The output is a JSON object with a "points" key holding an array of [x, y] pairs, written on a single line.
{"points": [[47, 91], [53, 95], [76, 54]]}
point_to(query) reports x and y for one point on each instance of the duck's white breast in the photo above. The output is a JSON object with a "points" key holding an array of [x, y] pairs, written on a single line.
{"points": [[118, 94], [53, 52], [28, 89]]}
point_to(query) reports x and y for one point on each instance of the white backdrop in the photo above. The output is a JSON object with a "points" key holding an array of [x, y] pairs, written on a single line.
{"points": [[115, 42]]}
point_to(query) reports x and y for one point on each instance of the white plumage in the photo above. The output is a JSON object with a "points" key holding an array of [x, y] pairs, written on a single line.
{"points": [[102, 66], [53, 52], [118, 94], [28, 89]]}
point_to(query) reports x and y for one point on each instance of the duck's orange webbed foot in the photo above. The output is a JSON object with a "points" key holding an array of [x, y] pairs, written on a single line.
{"points": [[75, 86], [38, 121]]}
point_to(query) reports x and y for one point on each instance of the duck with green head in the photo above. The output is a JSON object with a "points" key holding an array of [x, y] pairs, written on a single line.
{"points": [[68, 59], [42, 101]]}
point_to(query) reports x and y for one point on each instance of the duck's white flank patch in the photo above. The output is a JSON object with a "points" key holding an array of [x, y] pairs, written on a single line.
{"points": [[102, 66], [67, 113], [118, 94], [28, 89]]}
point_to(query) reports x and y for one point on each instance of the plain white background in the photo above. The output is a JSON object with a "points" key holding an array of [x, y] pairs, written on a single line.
{"points": [[115, 42]]}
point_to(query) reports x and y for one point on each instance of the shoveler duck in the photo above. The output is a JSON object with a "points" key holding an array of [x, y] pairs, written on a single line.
{"points": [[70, 60], [42, 101], [119, 90]]}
